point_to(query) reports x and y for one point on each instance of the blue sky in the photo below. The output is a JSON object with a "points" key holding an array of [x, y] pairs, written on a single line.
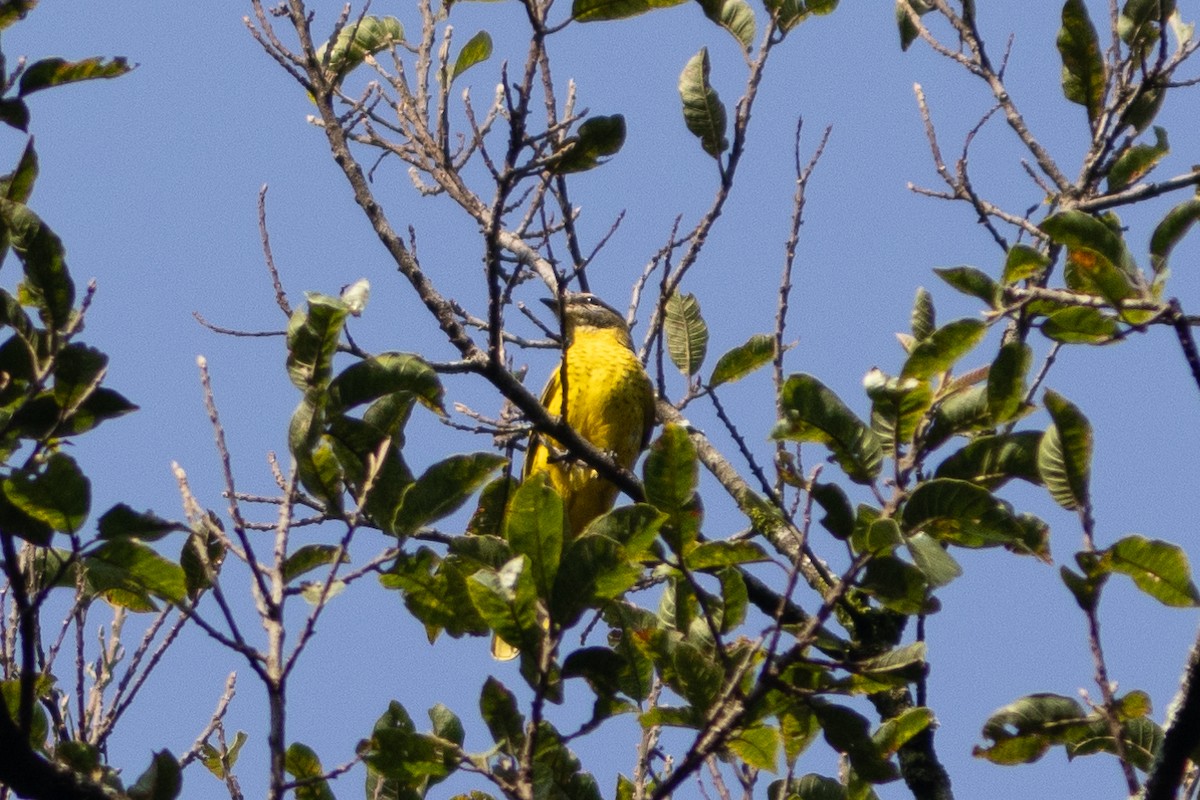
{"points": [[151, 180]]}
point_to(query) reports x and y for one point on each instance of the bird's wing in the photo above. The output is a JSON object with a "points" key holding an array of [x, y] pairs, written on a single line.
{"points": [[537, 455]]}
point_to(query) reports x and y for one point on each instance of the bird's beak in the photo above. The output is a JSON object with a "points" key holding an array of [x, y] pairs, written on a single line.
{"points": [[551, 303]]}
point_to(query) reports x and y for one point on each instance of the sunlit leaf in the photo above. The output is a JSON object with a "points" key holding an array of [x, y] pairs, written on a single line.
{"points": [[302, 763], [600, 10], [1158, 568], [943, 348], [1084, 76], [1023, 262], [734, 16], [59, 494], [991, 461], [1081, 325], [384, 374], [443, 488], [813, 413], [931, 558], [924, 318], [971, 282], [686, 332], [1173, 227], [477, 50], [1065, 453], [961, 513], [744, 359], [702, 109], [1138, 161], [57, 71], [897, 731], [1006, 380], [1023, 731], [357, 40], [128, 564]]}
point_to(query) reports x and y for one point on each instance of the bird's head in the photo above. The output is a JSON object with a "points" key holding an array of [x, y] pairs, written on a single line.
{"points": [[585, 310]]}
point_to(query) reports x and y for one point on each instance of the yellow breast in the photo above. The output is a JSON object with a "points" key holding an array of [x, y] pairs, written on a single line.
{"points": [[610, 402]]}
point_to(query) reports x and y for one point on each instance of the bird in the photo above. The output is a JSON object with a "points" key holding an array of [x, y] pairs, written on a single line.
{"points": [[610, 403]]}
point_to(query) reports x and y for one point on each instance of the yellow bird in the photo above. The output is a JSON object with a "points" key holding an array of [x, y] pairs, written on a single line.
{"points": [[610, 403]]}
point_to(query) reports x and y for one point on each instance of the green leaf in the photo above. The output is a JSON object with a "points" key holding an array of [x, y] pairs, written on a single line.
{"points": [[1097, 259], [813, 413], [671, 470], [734, 16], [18, 184], [908, 29], [962, 513], [47, 281], [1080, 230], [687, 333], [310, 557], [498, 707], [924, 317], [312, 339], [598, 138], [162, 780], [1084, 77], [1006, 380], [477, 50], [758, 351], [898, 731], [442, 489], [1023, 731], [78, 370], [535, 529], [971, 282], [709, 556], [1138, 161], [1086, 590], [703, 112], [57, 71], [600, 10], [839, 516], [132, 566], [991, 461], [302, 763], [1173, 227], [943, 348], [14, 113], [1141, 741], [121, 521], [1081, 325], [791, 13], [1158, 568], [756, 746], [202, 555], [59, 495], [507, 601], [12, 11], [435, 592], [938, 566], [1065, 453], [898, 585], [382, 375], [1145, 106], [1023, 262], [1139, 23], [357, 40], [898, 405], [847, 732]]}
